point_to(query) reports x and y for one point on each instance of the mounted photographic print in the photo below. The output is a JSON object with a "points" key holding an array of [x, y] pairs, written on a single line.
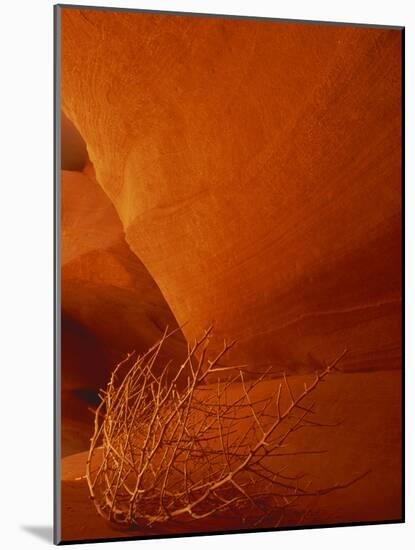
{"points": [[229, 251]]}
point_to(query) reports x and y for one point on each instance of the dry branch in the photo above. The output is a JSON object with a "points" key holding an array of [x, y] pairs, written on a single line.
{"points": [[164, 451]]}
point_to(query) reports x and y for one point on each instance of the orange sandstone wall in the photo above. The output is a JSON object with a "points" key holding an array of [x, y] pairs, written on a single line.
{"points": [[105, 287], [256, 169], [110, 303]]}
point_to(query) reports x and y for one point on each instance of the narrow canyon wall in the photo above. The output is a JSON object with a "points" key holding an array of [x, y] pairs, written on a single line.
{"points": [[256, 169], [110, 303], [105, 287]]}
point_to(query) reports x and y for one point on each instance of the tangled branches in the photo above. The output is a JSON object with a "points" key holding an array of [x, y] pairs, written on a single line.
{"points": [[168, 451]]}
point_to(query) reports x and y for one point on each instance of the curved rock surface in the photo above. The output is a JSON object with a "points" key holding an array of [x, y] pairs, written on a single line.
{"points": [[74, 155], [104, 285], [110, 303], [256, 169]]}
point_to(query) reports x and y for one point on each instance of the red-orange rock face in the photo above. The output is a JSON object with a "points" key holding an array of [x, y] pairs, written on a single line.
{"points": [[110, 303], [105, 287], [256, 170]]}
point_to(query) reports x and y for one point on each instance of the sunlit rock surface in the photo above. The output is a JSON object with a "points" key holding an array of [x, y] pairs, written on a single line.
{"points": [[256, 169]]}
